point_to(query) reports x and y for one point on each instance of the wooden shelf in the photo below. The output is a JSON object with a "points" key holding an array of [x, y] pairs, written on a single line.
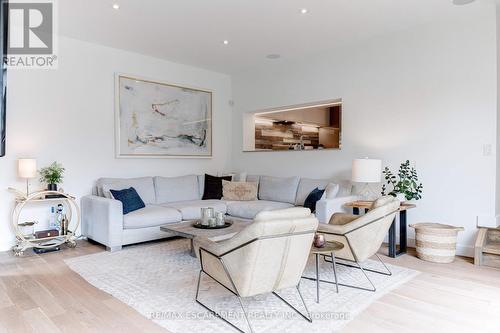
{"points": [[492, 249], [18, 200]]}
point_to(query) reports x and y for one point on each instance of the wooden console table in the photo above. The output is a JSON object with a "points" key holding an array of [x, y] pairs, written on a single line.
{"points": [[393, 251]]}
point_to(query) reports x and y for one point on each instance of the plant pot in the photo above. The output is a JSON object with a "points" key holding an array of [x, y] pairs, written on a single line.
{"points": [[52, 187], [401, 197]]}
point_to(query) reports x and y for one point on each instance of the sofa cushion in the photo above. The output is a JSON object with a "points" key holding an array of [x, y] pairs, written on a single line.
{"points": [[252, 178], [191, 210], [151, 216], [345, 188], [201, 185], [306, 185], [249, 209], [331, 191], [143, 185], [278, 189], [131, 201], [174, 189]]}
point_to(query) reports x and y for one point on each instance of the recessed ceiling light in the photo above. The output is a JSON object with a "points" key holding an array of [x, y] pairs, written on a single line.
{"points": [[462, 2], [273, 56], [304, 11], [225, 42], [116, 6]]}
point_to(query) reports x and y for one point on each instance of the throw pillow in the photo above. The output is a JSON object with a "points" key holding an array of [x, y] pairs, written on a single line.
{"points": [[239, 191], [312, 198], [331, 191], [131, 201], [213, 187]]}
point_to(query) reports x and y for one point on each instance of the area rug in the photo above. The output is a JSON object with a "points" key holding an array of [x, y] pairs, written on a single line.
{"points": [[159, 281]]}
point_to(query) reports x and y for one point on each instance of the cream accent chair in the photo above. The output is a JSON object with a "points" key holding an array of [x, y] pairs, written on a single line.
{"points": [[265, 257], [362, 235]]}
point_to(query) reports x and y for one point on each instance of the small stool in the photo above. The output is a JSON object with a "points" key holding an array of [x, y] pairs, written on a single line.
{"points": [[328, 250]]}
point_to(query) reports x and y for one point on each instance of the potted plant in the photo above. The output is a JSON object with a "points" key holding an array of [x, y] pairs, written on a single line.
{"points": [[52, 175], [405, 186]]}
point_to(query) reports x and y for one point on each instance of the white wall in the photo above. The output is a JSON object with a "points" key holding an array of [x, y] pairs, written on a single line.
{"points": [[427, 94], [497, 217], [68, 115]]}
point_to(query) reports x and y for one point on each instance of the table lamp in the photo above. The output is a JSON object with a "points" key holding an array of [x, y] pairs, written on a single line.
{"points": [[26, 168], [366, 170]]}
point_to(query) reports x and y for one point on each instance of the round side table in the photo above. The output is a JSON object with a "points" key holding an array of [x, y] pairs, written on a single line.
{"points": [[329, 250]]}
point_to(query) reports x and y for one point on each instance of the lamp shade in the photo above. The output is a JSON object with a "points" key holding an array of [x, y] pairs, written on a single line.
{"points": [[366, 170], [26, 168]]}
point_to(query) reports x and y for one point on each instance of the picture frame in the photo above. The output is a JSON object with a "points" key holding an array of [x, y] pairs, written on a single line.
{"points": [[4, 24], [155, 119]]}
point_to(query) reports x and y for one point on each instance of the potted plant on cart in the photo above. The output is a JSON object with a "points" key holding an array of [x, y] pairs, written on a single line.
{"points": [[405, 186], [52, 175]]}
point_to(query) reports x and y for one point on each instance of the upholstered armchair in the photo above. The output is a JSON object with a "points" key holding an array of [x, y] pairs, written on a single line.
{"points": [[362, 235], [267, 256]]}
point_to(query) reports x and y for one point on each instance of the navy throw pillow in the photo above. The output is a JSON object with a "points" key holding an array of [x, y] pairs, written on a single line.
{"points": [[312, 198], [130, 199], [213, 187]]}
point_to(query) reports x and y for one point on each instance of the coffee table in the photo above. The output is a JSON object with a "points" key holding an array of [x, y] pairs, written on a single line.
{"points": [[186, 230]]}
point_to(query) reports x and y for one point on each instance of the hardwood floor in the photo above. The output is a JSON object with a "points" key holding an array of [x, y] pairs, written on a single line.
{"points": [[41, 294]]}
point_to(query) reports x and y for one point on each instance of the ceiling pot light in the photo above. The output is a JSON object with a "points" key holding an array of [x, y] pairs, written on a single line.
{"points": [[462, 2], [116, 6], [273, 56], [225, 42], [304, 11]]}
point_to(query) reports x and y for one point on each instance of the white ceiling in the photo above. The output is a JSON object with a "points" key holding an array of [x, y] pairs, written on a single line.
{"points": [[192, 31]]}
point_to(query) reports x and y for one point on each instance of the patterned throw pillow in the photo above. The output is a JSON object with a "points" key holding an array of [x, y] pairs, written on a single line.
{"points": [[239, 191]]}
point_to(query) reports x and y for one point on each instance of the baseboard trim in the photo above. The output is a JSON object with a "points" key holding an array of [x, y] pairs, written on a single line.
{"points": [[8, 246]]}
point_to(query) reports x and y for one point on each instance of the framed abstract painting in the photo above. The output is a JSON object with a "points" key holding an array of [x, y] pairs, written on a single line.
{"points": [[161, 120]]}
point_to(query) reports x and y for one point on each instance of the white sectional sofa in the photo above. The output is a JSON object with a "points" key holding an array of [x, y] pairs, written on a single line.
{"points": [[176, 199]]}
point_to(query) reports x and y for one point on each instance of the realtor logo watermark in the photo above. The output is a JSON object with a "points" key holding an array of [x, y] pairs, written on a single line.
{"points": [[32, 37]]}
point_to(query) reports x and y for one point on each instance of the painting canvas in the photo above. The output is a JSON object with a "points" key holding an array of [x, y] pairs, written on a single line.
{"points": [[162, 120]]}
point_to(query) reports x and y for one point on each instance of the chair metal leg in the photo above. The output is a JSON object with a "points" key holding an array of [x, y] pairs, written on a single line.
{"points": [[217, 314], [389, 273], [245, 314], [198, 285], [361, 267], [358, 266], [304, 303], [308, 317], [240, 300]]}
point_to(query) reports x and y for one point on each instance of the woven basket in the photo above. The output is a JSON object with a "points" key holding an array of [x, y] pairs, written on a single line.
{"points": [[436, 242]]}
